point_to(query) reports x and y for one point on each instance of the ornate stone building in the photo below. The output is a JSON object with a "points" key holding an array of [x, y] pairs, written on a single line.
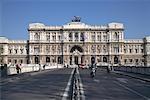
{"points": [[76, 43]]}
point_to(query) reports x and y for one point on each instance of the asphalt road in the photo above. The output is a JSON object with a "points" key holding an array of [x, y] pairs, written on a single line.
{"points": [[113, 86], [51, 85], [45, 86]]}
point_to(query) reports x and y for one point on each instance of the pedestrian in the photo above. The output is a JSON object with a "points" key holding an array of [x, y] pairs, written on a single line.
{"points": [[18, 68], [108, 69], [93, 70], [44, 66]]}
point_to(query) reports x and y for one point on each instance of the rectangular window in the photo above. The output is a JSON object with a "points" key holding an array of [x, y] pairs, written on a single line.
{"points": [[10, 51], [130, 60], [82, 37], [125, 61], [36, 50], [76, 36], [21, 61], [136, 60], [125, 50], [1, 49], [70, 36], [48, 37], [93, 37], [136, 50], [16, 51], [99, 38], [142, 50], [15, 61], [9, 60], [116, 49], [53, 38], [130, 50], [105, 38], [59, 38], [21, 50], [47, 49]]}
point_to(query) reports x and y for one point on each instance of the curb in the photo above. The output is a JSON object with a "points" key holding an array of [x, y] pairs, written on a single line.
{"points": [[147, 80]]}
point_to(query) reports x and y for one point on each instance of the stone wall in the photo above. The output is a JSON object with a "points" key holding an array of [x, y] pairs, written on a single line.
{"points": [[11, 69]]}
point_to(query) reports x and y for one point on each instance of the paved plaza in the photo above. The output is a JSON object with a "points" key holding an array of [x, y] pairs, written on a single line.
{"points": [[51, 85]]}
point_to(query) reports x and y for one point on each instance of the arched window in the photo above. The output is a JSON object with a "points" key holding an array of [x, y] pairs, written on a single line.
{"points": [[115, 60], [76, 47], [92, 60], [59, 60], [47, 59], [104, 59], [36, 60]]}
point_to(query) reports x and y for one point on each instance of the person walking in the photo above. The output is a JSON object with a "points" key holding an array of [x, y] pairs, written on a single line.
{"points": [[93, 70], [18, 68], [108, 69], [44, 66]]}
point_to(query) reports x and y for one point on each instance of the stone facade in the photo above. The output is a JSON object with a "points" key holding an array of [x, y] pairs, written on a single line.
{"points": [[76, 43]]}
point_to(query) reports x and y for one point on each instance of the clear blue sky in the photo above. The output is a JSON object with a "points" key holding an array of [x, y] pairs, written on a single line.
{"points": [[15, 15]]}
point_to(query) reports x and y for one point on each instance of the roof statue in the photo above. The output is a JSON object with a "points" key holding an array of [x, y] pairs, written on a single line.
{"points": [[76, 19]]}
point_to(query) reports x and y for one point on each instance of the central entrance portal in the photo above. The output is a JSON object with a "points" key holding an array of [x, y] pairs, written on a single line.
{"points": [[76, 60], [76, 55]]}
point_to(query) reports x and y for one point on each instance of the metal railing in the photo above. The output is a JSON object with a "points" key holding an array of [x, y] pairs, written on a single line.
{"points": [[75, 89], [134, 69]]}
